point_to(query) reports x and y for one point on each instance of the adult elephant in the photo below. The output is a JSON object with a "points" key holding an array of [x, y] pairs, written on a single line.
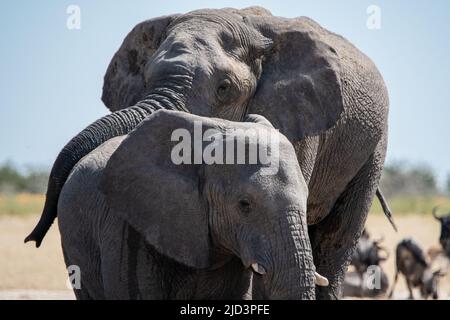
{"points": [[319, 90]]}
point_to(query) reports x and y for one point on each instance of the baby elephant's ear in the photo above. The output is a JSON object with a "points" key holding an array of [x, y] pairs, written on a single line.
{"points": [[158, 198], [256, 118], [124, 83], [299, 90]]}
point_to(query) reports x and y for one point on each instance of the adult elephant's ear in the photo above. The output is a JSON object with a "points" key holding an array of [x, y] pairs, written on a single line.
{"points": [[157, 197], [124, 83], [299, 91]]}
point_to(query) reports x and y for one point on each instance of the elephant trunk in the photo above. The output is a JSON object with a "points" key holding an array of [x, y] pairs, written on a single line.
{"points": [[115, 124], [291, 274]]}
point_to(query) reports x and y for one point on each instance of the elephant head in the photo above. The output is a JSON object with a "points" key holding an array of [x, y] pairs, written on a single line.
{"points": [[216, 63], [223, 62], [202, 213], [207, 62]]}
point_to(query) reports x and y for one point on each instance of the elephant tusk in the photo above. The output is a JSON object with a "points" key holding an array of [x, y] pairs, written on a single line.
{"points": [[320, 280], [258, 268]]}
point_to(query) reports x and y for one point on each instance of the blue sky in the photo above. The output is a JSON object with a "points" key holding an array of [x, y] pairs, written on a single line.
{"points": [[51, 77]]}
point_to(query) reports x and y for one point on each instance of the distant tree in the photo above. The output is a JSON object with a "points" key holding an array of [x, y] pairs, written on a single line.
{"points": [[424, 180], [12, 180], [401, 178], [447, 184], [36, 180]]}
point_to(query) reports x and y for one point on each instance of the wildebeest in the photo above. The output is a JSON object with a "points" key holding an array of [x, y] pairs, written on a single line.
{"points": [[444, 238], [372, 283], [366, 260], [367, 253], [412, 263]]}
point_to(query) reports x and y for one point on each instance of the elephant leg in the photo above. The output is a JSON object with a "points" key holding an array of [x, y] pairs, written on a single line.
{"points": [[334, 239], [86, 285], [82, 294]]}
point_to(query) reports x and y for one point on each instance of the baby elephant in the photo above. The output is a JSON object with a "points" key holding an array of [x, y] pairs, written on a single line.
{"points": [[174, 210], [412, 263]]}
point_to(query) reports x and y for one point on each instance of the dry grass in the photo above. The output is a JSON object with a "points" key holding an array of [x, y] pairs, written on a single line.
{"points": [[21, 204], [413, 205]]}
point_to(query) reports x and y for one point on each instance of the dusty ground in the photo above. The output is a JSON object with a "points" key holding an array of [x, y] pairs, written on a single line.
{"points": [[27, 272], [30, 273], [424, 229]]}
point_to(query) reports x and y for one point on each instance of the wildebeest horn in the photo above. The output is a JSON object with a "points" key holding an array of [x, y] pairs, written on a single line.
{"points": [[434, 213]]}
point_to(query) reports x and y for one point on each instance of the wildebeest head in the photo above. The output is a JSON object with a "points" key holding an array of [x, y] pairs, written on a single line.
{"points": [[444, 238], [368, 253], [430, 279]]}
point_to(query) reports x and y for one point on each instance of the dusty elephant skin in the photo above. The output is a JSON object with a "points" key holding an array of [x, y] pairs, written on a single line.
{"points": [[313, 85], [140, 226]]}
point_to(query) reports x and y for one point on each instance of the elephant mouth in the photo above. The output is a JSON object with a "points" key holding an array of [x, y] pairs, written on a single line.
{"points": [[261, 270], [256, 265]]}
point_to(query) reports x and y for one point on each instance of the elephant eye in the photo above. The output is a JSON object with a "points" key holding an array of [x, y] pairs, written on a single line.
{"points": [[245, 206], [223, 89]]}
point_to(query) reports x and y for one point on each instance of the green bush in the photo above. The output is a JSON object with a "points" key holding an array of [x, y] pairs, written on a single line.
{"points": [[404, 179], [33, 180]]}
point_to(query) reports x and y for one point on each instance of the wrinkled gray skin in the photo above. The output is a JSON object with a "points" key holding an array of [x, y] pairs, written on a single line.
{"points": [[185, 231], [320, 91]]}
